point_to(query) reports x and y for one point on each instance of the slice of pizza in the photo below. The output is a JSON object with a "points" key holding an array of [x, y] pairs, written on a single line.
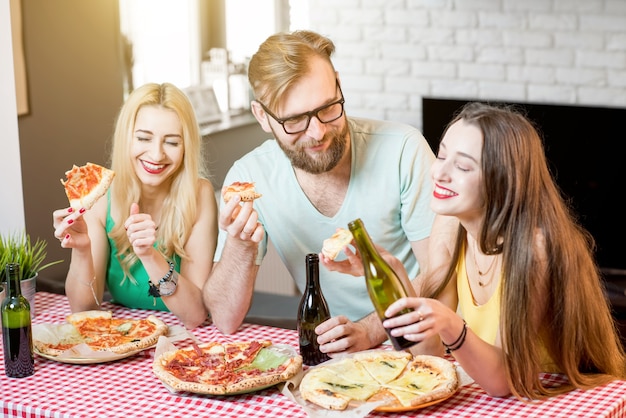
{"points": [[84, 185], [425, 379], [241, 353], [325, 388], [90, 323], [352, 370], [332, 246], [63, 337], [384, 366], [245, 190]]}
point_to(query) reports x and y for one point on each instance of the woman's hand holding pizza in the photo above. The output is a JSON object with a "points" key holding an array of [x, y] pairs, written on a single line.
{"points": [[70, 228], [141, 231]]}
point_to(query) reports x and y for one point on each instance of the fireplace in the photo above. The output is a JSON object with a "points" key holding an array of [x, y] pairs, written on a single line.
{"points": [[583, 146]]}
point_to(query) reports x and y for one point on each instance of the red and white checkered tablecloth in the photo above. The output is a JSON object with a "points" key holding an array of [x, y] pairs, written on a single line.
{"points": [[128, 388]]}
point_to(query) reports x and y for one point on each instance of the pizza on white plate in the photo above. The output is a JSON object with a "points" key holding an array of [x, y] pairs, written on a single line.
{"points": [[396, 378], [100, 331], [84, 185]]}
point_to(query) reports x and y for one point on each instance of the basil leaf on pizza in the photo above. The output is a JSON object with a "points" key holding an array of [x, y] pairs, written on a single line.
{"points": [[226, 368], [401, 381]]}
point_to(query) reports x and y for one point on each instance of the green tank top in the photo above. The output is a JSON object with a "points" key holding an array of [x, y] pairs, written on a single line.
{"points": [[123, 290]]}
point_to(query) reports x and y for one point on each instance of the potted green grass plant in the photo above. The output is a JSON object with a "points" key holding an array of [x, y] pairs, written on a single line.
{"points": [[18, 248]]}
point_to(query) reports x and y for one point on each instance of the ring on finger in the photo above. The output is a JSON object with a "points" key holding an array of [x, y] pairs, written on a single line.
{"points": [[421, 317]]}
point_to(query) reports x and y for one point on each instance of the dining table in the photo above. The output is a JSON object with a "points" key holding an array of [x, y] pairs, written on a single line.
{"points": [[128, 388]]}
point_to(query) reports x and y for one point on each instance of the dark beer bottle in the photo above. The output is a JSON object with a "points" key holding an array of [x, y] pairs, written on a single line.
{"points": [[16, 328], [383, 284], [312, 311]]}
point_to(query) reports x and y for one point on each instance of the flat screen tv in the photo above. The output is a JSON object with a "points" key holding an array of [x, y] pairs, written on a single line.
{"points": [[583, 146]]}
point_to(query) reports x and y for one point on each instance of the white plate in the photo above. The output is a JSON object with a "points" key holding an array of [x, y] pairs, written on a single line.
{"points": [[88, 360]]}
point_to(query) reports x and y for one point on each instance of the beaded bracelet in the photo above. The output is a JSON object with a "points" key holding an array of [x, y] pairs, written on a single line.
{"points": [[153, 289], [459, 341]]}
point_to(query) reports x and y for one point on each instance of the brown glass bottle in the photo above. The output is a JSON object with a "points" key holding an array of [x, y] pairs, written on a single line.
{"points": [[312, 311], [17, 337], [383, 284]]}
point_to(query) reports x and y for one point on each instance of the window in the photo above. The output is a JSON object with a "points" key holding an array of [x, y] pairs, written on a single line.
{"points": [[162, 39], [163, 36]]}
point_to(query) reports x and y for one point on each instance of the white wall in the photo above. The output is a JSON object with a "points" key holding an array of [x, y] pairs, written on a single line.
{"points": [[391, 53], [11, 196]]}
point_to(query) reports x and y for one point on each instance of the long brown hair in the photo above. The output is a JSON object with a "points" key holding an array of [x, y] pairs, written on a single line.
{"points": [[521, 198]]}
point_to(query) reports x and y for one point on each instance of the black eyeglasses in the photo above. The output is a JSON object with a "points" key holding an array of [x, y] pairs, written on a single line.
{"points": [[300, 123]]}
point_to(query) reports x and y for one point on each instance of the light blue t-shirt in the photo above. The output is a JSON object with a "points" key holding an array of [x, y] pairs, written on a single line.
{"points": [[390, 190]]}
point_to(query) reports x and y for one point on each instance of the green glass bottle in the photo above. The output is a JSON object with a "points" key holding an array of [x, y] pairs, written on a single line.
{"points": [[383, 284], [17, 336], [312, 311]]}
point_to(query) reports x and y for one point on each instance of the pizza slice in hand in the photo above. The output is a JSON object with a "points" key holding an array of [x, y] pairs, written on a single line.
{"points": [[86, 184], [331, 247], [244, 189]]}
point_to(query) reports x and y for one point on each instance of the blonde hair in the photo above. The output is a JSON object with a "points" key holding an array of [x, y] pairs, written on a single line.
{"points": [[282, 60], [180, 206]]}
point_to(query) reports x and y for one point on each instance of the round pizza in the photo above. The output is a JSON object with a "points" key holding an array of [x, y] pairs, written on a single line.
{"points": [[100, 331], [226, 368], [394, 377]]}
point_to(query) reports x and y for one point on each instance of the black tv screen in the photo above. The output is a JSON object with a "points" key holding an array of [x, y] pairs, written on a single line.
{"points": [[584, 149]]}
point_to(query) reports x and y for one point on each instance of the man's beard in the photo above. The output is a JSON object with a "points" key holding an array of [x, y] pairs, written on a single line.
{"points": [[326, 161]]}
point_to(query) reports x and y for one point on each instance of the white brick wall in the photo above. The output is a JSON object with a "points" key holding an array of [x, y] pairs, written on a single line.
{"points": [[391, 53]]}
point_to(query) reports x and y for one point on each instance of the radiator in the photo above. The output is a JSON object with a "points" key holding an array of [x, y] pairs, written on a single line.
{"points": [[273, 276]]}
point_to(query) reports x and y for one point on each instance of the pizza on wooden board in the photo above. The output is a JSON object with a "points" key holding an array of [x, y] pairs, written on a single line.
{"points": [[100, 331], [84, 185], [245, 190], [226, 368], [394, 377]]}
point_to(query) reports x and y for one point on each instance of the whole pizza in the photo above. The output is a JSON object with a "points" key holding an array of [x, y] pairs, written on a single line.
{"points": [[226, 368], [100, 331], [396, 378]]}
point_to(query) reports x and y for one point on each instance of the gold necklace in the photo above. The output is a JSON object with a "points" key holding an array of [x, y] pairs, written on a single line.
{"points": [[482, 273]]}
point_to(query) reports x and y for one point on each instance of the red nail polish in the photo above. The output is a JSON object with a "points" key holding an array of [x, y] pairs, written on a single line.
{"points": [[67, 236], [71, 221], [70, 210], [82, 210]]}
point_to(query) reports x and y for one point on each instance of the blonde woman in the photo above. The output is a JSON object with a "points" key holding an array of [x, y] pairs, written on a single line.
{"points": [[151, 239]]}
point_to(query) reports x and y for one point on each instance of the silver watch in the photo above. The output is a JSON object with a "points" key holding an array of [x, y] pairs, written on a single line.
{"points": [[167, 284]]}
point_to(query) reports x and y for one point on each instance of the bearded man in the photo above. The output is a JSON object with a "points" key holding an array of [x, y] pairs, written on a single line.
{"points": [[321, 170]]}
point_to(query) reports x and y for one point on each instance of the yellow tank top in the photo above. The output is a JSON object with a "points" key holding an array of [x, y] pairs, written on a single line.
{"points": [[484, 319]]}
